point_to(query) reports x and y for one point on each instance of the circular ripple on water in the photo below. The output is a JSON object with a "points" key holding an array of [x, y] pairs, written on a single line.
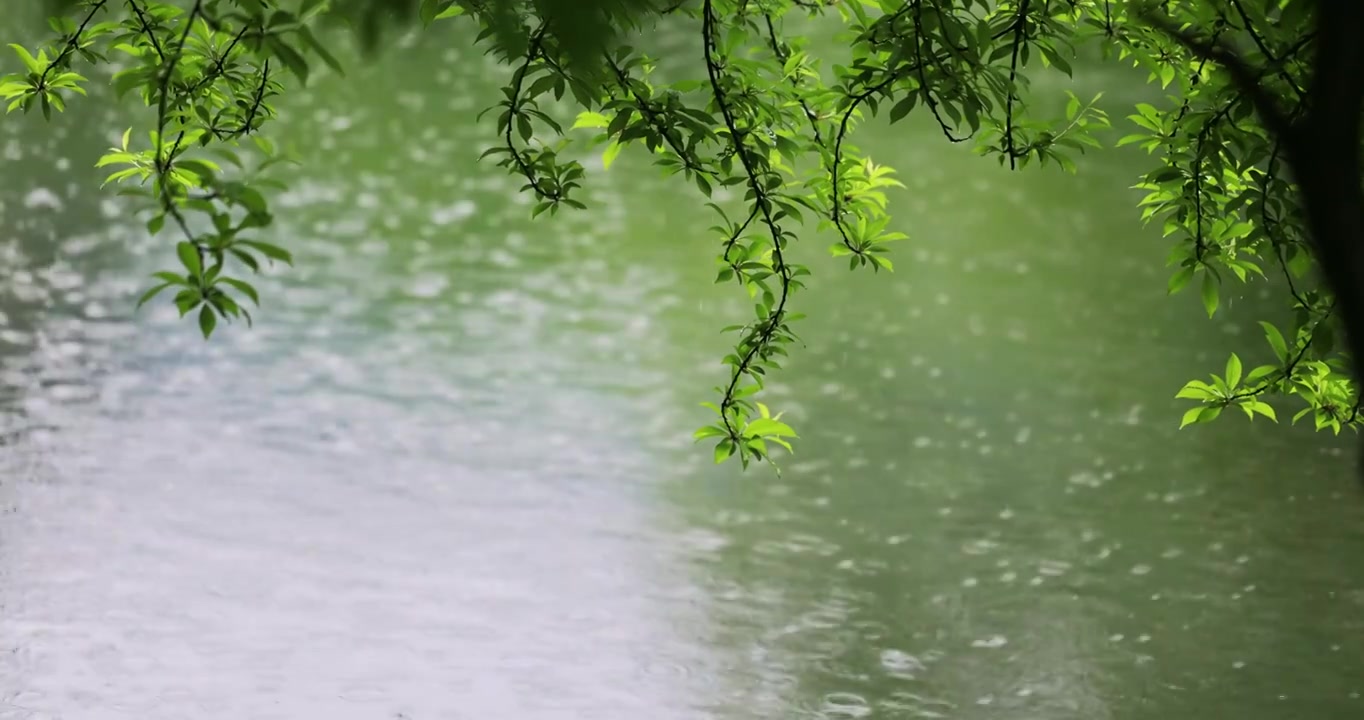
{"points": [[845, 705], [664, 668]]}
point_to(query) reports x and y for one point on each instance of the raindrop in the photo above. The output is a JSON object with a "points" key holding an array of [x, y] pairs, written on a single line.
{"points": [[992, 642], [42, 198], [901, 662], [1052, 568]]}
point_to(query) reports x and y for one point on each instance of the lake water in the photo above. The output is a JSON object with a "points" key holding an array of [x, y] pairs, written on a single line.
{"points": [[449, 474]]}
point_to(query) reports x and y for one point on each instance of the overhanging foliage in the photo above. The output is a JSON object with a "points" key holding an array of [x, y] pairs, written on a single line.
{"points": [[772, 119]]}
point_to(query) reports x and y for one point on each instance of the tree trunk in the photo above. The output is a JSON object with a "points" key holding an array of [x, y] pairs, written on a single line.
{"points": [[1324, 157]]}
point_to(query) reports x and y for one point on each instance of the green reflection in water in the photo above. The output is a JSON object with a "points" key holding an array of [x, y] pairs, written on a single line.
{"points": [[992, 514]]}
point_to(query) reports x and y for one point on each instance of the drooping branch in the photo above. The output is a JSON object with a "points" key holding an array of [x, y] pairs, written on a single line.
{"points": [[764, 334]]}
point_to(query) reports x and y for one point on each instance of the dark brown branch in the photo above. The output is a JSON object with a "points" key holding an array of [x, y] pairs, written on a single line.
{"points": [[1242, 74]]}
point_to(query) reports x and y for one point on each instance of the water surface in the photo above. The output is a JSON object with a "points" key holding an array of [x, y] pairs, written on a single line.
{"points": [[449, 473]]}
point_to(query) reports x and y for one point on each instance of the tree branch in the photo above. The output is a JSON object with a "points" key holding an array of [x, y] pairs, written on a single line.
{"points": [[1245, 77]]}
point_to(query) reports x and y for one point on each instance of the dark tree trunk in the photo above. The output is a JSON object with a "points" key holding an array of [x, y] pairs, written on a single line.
{"points": [[1323, 152], [1324, 157]]}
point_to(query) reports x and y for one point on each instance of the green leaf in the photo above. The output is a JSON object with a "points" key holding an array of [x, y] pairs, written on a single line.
{"points": [[1209, 294], [1191, 417], [723, 450], [902, 108], [1196, 390], [702, 184], [252, 200], [306, 10], [769, 426], [1276, 341], [1257, 406], [204, 169], [1261, 372], [246, 259], [590, 120], [207, 321], [12, 89], [153, 292], [1167, 74], [320, 50], [187, 300], [291, 58], [709, 431], [244, 288], [1166, 174], [429, 10], [128, 80], [33, 64], [170, 277], [609, 156], [1180, 279], [189, 257], [1233, 372], [274, 252]]}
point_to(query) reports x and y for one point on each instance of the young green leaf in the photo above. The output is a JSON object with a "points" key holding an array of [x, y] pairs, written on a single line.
{"points": [[723, 450], [151, 293], [1209, 294], [207, 320], [244, 288], [189, 257]]}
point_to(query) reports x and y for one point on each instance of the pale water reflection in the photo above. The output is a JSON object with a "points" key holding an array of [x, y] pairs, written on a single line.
{"points": [[449, 474], [326, 517], [319, 519]]}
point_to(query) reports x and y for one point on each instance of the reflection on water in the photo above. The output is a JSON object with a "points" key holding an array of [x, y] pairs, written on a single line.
{"points": [[993, 514], [449, 475]]}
